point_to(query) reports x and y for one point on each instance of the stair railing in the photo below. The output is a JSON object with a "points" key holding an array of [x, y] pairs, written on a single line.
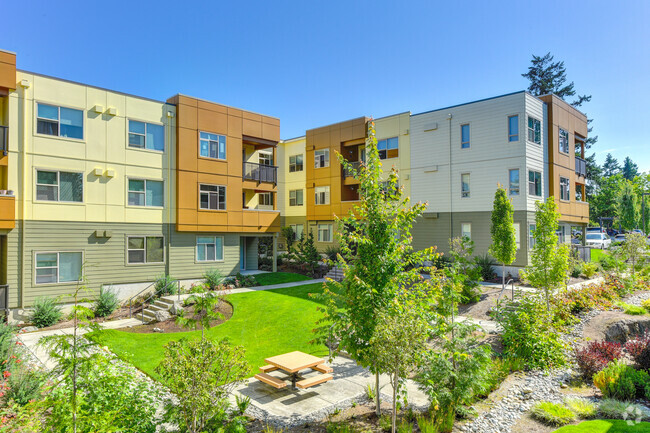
{"points": [[510, 282], [130, 301]]}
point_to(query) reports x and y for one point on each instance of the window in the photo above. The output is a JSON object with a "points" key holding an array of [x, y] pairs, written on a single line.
{"points": [[324, 232], [534, 130], [212, 197], [535, 183], [322, 195], [513, 128], [209, 248], [58, 267], [513, 176], [266, 199], [564, 141], [387, 188], [297, 231], [145, 249], [59, 186], [266, 158], [564, 189], [60, 121], [517, 236], [322, 158], [464, 136], [295, 197], [580, 193], [146, 136], [143, 192], [466, 230], [212, 145], [464, 185], [295, 163], [531, 236], [388, 148]]}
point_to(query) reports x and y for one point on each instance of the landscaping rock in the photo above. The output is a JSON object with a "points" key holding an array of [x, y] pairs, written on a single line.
{"points": [[176, 309], [157, 330], [161, 316], [622, 331]]}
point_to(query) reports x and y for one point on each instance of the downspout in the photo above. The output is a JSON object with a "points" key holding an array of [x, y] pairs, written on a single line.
{"points": [[25, 85], [451, 195], [170, 183]]}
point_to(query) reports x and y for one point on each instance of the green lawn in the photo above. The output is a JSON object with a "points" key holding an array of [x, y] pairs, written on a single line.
{"points": [[265, 323], [605, 426], [595, 254], [279, 278]]}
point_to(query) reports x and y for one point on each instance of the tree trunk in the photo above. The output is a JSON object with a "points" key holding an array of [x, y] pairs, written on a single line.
{"points": [[503, 277], [377, 402], [394, 422]]}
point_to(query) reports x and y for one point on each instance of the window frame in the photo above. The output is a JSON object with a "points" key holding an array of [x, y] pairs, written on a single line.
{"points": [[58, 186], [529, 129], [225, 146], [465, 194], [541, 186], [59, 136], [462, 230], [295, 198], [225, 197], [58, 261], [465, 144], [329, 228], [326, 152], [265, 194], [293, 168], [268, 156], [531, 235], [214, 238], [145, 237], [146, 123], [295, 233], [513, 137], [560, 140], [387, 149], [512, 191], [128, 191], [326, 192], [565, 186]]}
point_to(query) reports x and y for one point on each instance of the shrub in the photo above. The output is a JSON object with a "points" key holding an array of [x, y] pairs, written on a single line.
{"points": [[633, 310], [595, 357], [24, 384], [552, 413], [646, 304], [621, 382], [427, 425], [46, 312], [385, 422], [613, 409], [106, 303], [404, 427], [589, 269], [639, 350], [601, 295], [583, 409], [241, 280], [332, 251], [486, 265], [608, 262], [213, 278], [576, 270], [7, 343], [164, 286]]}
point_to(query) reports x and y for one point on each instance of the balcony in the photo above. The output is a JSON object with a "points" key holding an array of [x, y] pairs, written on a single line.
{"points": [[354, 166], [260, 172], [581, 167], [4, 139], [7, 212]]}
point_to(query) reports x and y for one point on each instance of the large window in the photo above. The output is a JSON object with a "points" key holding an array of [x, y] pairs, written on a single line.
{"points": [[212, 145], [266, 199], [464, 136], [322, 158], [209, 248], [212, 197], [564, 189], [564, 141], [388, 148], [534, 130], [60, 121], [265, 158], [322, 195], [513, 128], [144, 192], [464, 185], [295, 163], [324, 232], [146, 136], [145, 249], [58, 267], [535, 183], [513, 178], [59, 186], [295, 197], [466, 230], [297, 231]]}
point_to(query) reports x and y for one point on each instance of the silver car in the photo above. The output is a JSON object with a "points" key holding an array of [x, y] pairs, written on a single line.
{"points": [[598, 240]]}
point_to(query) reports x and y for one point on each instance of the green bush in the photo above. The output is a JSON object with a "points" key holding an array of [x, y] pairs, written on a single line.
{"points": [[646, 305], [404, 427], [46, 312], [589, 269], [576, 269], [339, 427], [6, 343], [427, 425], [552, 413], [213, 278], [332, 251], [106, 303], [609, 408], [165, 285], [608, 262], [584, 409], [630, 309], [24, 384], [622, 382], [486, 265], [385, 422]]}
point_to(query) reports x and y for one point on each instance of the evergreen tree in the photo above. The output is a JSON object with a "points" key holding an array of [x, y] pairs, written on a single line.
{"points": [[504, 243], [594, 175], [628, 209], [630, 169], [611, 166]]}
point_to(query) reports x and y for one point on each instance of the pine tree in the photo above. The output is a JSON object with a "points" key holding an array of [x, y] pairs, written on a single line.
{"points": [[504, 243], [594, 175], [628, 209], [630, 169], [611, 166]]}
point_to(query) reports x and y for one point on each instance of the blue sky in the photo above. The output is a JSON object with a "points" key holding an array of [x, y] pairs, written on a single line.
{"points": [[312, 63]]}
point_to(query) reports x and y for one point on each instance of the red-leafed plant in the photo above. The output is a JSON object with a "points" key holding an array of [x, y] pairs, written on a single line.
{"points": [[596, 356], [639, 350]]}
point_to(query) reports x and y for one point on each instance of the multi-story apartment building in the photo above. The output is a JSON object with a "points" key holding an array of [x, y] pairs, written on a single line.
{"points": [[292, 185], [120, 189]]}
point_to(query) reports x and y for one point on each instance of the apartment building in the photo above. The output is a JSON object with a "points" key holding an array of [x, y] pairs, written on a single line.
{"points": [[121, 189]]}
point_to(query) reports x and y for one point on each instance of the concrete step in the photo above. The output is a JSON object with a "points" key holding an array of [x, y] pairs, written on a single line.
{"points": [[145, 318], [155, 307], [168, 302]]}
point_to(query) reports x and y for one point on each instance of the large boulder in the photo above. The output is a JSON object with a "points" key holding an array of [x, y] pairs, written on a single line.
{"points": [[176, 309], [161, 316], [626, 329]]}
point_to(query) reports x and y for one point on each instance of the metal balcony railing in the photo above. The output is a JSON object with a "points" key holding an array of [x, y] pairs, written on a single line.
{"points": [[581, 167], [260, 172], [353, 166], [4, 139]]}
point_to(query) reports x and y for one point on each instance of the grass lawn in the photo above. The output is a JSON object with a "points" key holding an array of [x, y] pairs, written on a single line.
{"points": [[265, 323], [279, 278], [595, 254], [605, 426]]}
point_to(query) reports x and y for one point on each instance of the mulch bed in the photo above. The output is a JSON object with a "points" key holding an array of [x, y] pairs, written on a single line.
{"points": [[120, 313], [168, 326]]}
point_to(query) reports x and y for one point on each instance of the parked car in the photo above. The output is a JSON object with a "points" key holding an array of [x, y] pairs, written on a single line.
{"points": [[598, 240], [619, 238], [595, 230], [638, 231]]}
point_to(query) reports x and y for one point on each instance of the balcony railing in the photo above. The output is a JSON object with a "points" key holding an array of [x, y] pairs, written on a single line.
{"points": [[260, 172], [4, 139], [581, 167], [353, 166]]}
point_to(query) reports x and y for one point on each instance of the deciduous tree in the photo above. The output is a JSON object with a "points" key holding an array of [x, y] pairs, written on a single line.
{"points": [[504, 242], [627, 208]]}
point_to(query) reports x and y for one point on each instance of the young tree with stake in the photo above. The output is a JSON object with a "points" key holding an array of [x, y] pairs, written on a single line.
{"points": [[504, 242]]}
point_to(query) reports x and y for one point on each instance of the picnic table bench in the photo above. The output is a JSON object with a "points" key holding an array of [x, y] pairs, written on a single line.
{"points": [[292, 363]]}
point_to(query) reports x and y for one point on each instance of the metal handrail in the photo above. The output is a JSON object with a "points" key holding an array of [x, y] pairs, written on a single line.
{"points": [[505, 286], [260, 172], [135, 296], [581, 166], [4, 133], [354, 167]]}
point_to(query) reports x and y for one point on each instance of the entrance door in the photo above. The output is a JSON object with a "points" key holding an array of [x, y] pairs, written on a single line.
{"points": [[242, 253]]}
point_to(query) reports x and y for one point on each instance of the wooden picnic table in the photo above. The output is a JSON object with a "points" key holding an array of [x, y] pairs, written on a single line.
{"points": [[292, 363]]}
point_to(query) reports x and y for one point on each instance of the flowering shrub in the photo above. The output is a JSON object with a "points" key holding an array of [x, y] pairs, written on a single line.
{"points": [[596, 356], [639, 350]]}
